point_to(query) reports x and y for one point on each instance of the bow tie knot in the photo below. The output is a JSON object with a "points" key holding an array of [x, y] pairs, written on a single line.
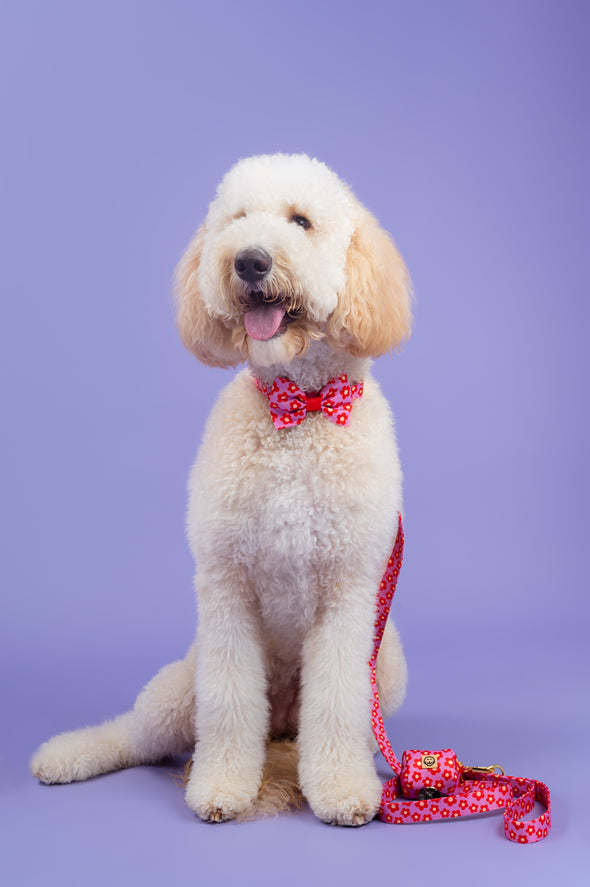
{"points": [[289, 405]]}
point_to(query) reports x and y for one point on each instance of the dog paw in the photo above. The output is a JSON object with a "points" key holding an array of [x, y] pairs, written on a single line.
{"points": [[348, 802], [219, 800]]}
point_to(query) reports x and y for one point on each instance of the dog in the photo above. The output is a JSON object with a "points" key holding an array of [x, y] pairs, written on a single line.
{"points": [[293, 505]]}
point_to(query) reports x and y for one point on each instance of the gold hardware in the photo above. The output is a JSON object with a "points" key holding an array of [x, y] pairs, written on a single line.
{"points": [[490, 770]]}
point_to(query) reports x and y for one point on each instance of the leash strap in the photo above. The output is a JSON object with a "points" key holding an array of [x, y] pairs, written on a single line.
{"points": [[476, 790], [385, 594]]}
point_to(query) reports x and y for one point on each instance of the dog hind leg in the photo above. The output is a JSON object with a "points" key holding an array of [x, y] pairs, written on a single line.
{"points": [[392, 671], [161, 723]]}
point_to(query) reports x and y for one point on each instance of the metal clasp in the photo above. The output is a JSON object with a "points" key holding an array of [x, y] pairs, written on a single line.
{"points": [[490, 770]]}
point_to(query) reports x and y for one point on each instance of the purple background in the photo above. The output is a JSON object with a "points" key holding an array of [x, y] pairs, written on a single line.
{"points": [[464, 127]]}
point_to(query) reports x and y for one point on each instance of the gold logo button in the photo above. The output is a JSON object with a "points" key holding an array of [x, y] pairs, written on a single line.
{"points": [[429, 761]]}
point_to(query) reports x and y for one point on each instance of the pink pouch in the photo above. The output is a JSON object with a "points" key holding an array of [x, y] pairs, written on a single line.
{"points": [[425, 773]]}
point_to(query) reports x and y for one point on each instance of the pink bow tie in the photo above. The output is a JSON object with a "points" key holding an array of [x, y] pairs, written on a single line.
{"points": [[289, 405]]}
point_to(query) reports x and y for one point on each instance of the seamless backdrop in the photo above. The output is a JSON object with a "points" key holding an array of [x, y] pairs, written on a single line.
{"points": [[464, 126]]}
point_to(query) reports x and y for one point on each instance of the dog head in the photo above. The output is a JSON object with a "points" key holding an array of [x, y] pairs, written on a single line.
{"points": [[287, 255]]}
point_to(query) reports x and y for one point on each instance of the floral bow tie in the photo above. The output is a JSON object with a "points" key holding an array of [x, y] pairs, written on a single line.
{"points": [[289, 405]]}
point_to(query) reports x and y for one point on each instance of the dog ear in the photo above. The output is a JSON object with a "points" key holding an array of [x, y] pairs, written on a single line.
{"points": [[206, 336], [373, 314]]}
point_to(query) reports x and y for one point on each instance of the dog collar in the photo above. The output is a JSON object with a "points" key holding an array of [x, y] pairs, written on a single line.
{"points": [[289, 404]]}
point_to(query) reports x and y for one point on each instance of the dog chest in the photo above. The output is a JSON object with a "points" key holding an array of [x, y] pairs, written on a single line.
{"points": [[297, 508]]}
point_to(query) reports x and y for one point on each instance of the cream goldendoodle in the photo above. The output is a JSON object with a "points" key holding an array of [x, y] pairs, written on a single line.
{"points": [[293, 503]]}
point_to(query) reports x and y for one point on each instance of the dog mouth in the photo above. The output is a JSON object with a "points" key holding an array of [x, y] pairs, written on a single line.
{"points": [[264, 319]]}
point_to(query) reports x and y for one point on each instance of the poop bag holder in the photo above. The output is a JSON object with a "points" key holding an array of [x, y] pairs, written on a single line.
{"points": [[431, 785]]}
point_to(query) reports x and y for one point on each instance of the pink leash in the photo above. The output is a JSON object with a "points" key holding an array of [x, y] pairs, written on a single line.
{"points": [[430, 785]]}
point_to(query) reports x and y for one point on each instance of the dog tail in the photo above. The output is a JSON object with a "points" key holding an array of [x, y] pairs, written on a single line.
{"points": [[279, 790]]}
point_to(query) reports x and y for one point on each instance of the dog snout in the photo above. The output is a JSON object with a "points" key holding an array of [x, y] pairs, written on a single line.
{"points": [[252, 264]]}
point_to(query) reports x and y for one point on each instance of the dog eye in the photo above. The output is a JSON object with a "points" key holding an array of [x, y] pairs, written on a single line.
{"points": [[301, 221]]}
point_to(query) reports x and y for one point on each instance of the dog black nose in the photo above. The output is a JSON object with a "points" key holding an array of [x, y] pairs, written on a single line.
{"points": [[252, 264]]}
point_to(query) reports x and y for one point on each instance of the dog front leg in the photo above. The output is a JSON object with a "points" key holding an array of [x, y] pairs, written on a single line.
{"points": [[336, 768], [232, 710]]}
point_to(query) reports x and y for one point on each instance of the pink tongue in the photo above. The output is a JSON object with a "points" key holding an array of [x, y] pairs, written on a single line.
{"points": [[263, 321]]}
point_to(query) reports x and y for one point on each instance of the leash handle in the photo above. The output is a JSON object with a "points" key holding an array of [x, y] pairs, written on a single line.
{"points": [[476, 790], [484, 794]]}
